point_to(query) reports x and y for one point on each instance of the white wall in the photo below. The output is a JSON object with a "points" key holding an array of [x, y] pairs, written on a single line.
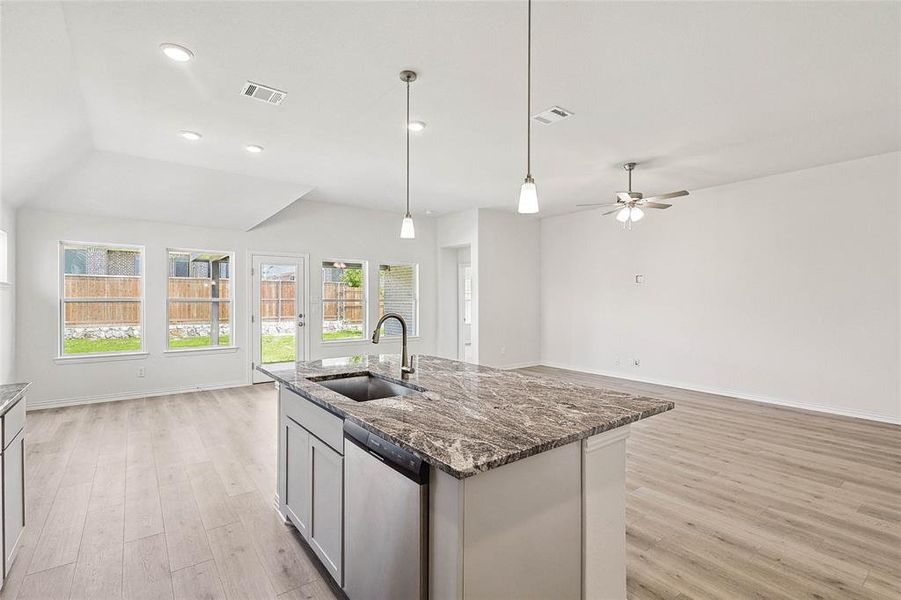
{"points": [[508, 263], [784, 289], [325, 231], [8, 299]]}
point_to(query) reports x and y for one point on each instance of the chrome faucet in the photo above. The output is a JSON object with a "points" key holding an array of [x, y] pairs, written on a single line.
{"points": [[405, 367]]}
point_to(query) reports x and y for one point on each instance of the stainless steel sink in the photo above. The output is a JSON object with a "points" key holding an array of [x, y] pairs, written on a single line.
{"points": [[362, 388]]}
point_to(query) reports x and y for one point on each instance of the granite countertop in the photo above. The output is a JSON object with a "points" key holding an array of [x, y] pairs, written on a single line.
{"points": [[466, 419], [9, 393]]}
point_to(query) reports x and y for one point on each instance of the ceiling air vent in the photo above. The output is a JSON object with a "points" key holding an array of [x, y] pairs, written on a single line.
{"points": [[264, 93], [552, 115]]}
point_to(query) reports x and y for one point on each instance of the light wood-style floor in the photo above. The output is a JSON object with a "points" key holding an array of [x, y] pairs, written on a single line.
{"points": [[733, 499], [171, 497], [158, 498]]}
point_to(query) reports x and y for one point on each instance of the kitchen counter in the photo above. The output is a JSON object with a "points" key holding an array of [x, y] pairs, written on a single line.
{"points": [[9, 394], [467, 419]]}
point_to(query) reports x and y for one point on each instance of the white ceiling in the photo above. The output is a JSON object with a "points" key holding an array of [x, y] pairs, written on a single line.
{"points": [[701, 93]]}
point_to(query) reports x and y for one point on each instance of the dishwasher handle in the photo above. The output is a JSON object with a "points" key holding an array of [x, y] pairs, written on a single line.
{"points": [[403, 461]]}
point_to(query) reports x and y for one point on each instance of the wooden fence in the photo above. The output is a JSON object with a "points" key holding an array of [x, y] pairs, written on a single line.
{"points": [[116, 300], [278, 300], [341, 302]]}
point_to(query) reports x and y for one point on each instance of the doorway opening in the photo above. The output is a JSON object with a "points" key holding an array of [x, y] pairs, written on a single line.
{"points": [[278, 312]]}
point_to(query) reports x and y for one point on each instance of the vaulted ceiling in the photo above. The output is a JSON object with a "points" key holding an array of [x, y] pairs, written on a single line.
{"points": [[701, 93]]}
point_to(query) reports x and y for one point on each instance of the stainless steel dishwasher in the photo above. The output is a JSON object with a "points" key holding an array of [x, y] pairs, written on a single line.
{"points": [[385, 519]]}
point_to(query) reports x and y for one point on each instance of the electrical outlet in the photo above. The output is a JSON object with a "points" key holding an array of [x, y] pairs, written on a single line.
{"points": [[639, 279], [142, 372], [636, 362], [503, 349], [618, 361]]}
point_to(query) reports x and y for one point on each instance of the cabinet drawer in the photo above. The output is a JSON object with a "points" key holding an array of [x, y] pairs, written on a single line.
{"points": [[13, 422], [318, 421]]}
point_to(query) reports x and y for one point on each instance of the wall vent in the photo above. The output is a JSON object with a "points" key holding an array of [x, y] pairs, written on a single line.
{"points": [[264, 93], [552, 115]]}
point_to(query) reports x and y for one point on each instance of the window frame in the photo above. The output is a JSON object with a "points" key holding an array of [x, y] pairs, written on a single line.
{"points": [[233, 294], [61, 301], [416, 295], [363, 334]]}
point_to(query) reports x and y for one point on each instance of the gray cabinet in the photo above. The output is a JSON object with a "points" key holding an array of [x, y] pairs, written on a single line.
{"points": [[311, 477], [326, 531], [297, 476], [12, 481], [13, 498]]}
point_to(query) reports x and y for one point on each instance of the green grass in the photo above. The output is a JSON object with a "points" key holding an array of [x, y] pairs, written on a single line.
{"points": [[85, 346], [279, 348], [196, 342], [276, 348], [341, 335]]}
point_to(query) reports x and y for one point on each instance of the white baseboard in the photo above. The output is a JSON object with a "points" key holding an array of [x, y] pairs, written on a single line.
{"points": [[519, 365], [60, 402], [737, 394]]}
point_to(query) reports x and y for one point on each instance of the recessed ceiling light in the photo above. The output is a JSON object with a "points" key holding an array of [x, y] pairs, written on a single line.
{"points": [[190, 135], [176, 52], [416, 126], [253, 148]]}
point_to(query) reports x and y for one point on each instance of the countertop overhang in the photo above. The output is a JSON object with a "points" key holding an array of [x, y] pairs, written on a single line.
{"points": [[10, 394], [466, 419]]}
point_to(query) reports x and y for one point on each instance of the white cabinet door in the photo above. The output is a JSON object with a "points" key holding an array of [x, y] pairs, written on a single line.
{"points": [[328, 495], [13, 497], [297, 476]]}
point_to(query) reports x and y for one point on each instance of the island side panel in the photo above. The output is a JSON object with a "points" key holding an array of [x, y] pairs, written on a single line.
{"points": [[282, 479], [604, 515], [445, 536], [522, 528]]}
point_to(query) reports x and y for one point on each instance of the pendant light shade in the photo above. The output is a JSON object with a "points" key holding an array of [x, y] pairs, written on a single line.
{"points": [[407, 230], [528, 197], [636, 214], [623, 215], [528, 193]]}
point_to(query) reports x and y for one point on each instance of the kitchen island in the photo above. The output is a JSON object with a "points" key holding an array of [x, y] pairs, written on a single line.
{"points": [[526, 485]]}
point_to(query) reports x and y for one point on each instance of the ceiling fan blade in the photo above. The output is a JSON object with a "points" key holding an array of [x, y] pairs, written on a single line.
{"points": [[668, 196], [653, 205], [610, 212], [600, 204], [624, 196]]}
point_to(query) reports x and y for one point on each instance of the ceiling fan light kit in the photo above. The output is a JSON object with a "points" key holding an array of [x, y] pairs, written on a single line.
{"points": [[629, 205]]}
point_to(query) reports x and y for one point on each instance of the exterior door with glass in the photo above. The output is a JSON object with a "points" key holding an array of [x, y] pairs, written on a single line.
{"points": [[278, 314]]}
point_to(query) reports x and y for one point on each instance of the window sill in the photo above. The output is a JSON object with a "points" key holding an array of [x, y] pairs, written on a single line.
{"points": [[207, 350], [345, 342], [94, 358]]}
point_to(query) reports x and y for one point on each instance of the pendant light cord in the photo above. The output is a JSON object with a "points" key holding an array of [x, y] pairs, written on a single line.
{"points": [[408, 148], [529, 97]]}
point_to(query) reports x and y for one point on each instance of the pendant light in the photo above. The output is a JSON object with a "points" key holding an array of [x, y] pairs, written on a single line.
{"points": [[407, 231], [528, 193]]}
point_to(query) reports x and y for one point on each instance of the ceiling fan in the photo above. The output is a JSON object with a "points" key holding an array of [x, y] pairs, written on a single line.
{"points": [[629, 204]]}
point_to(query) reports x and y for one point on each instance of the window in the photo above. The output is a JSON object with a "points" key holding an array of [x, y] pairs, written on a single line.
{"points": [[344, 292], [399, 293], [199, 299], [467, 295], [102, 299]]}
